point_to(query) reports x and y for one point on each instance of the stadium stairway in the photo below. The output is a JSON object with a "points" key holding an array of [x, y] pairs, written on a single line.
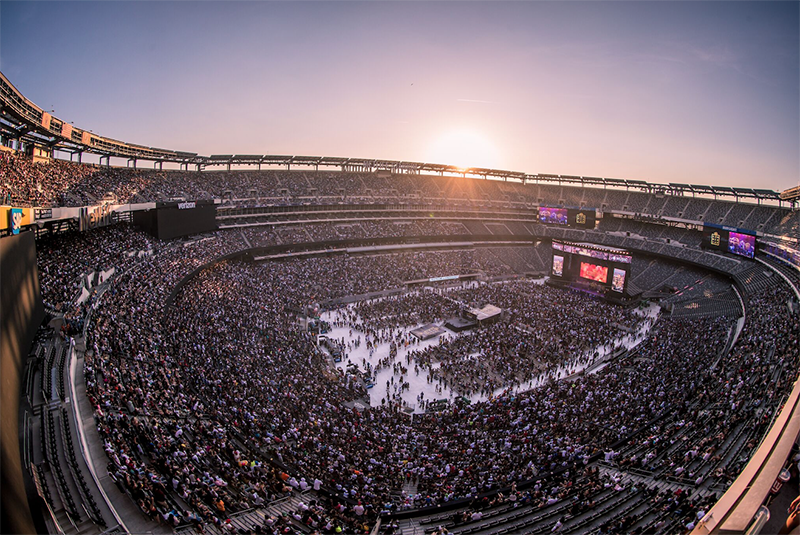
{"points": [[246, 520], [410, 527]]}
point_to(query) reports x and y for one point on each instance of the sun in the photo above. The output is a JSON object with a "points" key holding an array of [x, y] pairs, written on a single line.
{"points": [[464, 148]]}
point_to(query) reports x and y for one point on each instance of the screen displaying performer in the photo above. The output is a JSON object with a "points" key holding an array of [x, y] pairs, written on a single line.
{"points": [[618, 281], [742, 244], [594, 272], [553, 215], [558, 266]]}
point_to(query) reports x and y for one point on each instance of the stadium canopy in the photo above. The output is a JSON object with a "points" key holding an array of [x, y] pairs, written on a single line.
{"points": [[791, 194], [25, 122]]}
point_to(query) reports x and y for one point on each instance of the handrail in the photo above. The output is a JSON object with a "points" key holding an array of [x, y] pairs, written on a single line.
{"points": [[735, 511], [740, 503]]}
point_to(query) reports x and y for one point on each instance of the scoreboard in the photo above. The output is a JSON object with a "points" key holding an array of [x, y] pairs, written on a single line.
{"points": [[573, 217], [729, 239], [600, 267], [175, 219]]}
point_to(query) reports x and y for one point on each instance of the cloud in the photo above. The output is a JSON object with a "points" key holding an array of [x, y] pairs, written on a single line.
{"points": [[719, 55]]}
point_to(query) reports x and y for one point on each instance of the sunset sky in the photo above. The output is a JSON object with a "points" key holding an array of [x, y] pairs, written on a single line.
{"points": [[692, 92]]}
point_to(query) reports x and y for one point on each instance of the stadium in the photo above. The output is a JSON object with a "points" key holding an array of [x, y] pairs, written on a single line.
{"points": [[297, 344], [134, 416]]}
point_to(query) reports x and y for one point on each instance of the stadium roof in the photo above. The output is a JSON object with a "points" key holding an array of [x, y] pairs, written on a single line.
{"points": [[23, 120]]}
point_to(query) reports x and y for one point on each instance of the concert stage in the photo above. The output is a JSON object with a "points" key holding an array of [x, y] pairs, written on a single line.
{"points": [[458, 325], [427, 331]]}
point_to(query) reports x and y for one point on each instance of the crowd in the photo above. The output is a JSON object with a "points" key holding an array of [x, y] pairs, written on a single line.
{"points": [[64, 259], [25, 183], [379, 319], [268, 235], [751, 382], [503, 355], [62, 183], [222, 401], [122, 381]]}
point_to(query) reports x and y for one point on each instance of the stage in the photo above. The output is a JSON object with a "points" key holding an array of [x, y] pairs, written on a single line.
{"points": [[427, 332], [458, 325]]}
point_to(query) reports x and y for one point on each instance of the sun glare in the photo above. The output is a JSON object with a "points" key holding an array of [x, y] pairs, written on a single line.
{"points": [[464, 148]]}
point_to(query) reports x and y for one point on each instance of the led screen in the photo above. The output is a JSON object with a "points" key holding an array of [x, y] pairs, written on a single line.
{"points": [[621, 258], [553, 215], [558, 266], [618, 281], [594, 272], [742, 244]]}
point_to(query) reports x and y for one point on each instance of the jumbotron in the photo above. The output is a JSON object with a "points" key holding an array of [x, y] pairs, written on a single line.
{"points": [[295, 344]]}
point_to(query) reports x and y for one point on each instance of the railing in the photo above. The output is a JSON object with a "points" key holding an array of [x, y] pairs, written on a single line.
{"points": [[738, 507]]}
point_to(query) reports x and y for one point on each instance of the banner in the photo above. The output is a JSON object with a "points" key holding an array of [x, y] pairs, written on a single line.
{"points": [[15, 218], [94, 217], [43, 213]]}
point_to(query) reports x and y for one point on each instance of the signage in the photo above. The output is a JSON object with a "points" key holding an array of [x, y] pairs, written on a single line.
{"points": [[95, 217], [43, 213], [15, 220]]}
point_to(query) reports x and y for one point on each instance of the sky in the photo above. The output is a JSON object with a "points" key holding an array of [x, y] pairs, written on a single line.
{"points": [[688, 92]]}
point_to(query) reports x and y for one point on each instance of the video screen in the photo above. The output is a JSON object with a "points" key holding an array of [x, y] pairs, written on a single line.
{"points": [[594, 272], [621, 258], [742, 244], [553, 215], [618, 281], [558, 266]]}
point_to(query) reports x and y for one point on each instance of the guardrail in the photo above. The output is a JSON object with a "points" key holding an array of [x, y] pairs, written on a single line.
{"points": [[736, 511]]}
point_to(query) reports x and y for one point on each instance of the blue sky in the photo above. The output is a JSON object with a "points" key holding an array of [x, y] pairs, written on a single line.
{"points": [[700, 92]]}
